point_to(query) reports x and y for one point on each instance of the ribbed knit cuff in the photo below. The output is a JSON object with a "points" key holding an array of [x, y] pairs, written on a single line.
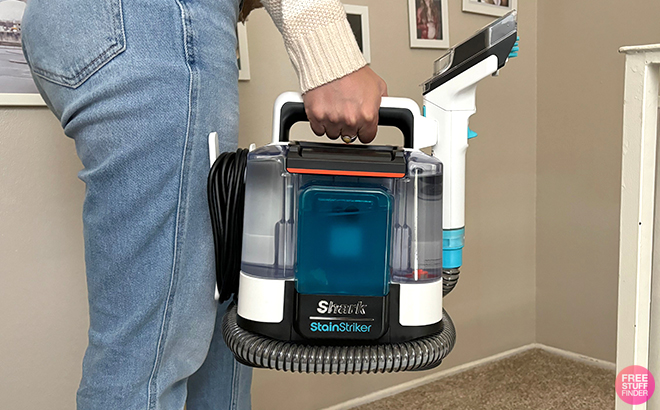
{"points": [[325, 54]]}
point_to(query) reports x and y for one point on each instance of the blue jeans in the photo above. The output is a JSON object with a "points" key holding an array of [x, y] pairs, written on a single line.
{"points": [[139, 85]]}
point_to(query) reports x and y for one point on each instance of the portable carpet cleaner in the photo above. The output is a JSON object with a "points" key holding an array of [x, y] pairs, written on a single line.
{"points": [[348, 250]]}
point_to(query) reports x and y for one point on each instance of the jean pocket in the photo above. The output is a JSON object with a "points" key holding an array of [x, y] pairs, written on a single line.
{"points": [[67, 41]]}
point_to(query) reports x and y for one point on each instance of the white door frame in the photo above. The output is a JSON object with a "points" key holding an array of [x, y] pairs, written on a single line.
{"points": [[638, 327]]}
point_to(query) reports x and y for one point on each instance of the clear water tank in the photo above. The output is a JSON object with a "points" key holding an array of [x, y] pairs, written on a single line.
{"points": [[342, 220]]}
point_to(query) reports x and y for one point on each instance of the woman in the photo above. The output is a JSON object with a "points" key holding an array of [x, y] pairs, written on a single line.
{"points": [[138, 85]]}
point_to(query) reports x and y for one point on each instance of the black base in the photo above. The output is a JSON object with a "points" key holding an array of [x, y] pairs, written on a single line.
{"points": [[263, 352]]}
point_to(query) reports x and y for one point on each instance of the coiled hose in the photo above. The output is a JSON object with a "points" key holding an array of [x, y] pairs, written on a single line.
{"points": [[259, 351]]}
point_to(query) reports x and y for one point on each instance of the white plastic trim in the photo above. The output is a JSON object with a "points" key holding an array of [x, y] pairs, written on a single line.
{"points": [[425, 129], [243, 52], [426, 132], [638, 323], [285, 97], [420, 304], [261, 300], [214, 151]]}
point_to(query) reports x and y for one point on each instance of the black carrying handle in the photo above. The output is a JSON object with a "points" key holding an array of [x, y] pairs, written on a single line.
{"points": [[402, 118]]}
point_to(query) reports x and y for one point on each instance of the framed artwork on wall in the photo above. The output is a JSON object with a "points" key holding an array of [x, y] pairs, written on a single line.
{"points": [[16, 84], [242, 55], [358, 18], [496, 8], [428, 23]]}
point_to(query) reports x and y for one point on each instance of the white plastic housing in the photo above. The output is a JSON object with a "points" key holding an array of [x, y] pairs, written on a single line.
{"points": [[451, 105], [262, 300], [420, 304]]}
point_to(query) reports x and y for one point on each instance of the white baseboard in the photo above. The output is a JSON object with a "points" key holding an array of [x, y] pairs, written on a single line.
{"points": [[390, 391], [576, 356]]}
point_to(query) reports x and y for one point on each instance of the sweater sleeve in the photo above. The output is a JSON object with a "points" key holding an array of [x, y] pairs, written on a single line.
{"points": [[318, 38]]}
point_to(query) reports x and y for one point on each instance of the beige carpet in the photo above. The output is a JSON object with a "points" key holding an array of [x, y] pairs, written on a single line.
{"points": [[530, 380]]}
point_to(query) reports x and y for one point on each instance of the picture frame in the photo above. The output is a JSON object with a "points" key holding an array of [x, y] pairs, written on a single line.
{"points": [[428, 21], [17, 87], [358, 19], [242, 54], [496, 8]]}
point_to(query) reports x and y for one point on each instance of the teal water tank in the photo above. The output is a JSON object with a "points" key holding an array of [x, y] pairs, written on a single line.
{"points": [[343, 240]]}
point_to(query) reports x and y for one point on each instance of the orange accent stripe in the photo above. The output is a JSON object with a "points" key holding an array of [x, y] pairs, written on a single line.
{"points": [[346, 173]]}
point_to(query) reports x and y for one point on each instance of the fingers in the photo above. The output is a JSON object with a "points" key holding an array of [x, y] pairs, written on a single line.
{"points": [[315, 122], [317, 127], [363, 123], [347, 106], [365, 126], [333, 127], [368, 131], [350, 125], [351, 121], [369, 122]]}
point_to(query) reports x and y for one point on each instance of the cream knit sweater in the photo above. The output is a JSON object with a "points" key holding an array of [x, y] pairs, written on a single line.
{"points": [[318, 38]]}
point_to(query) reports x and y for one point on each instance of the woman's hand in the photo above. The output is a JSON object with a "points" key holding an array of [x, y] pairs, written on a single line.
{"points": [[347, 106]]}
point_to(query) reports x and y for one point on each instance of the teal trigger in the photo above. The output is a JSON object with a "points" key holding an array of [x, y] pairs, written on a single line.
{"points": [[515, 49], [471, 134]]}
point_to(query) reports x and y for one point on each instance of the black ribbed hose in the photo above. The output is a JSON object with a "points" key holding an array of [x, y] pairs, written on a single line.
{"points": [[260, 351], [449, 280]]}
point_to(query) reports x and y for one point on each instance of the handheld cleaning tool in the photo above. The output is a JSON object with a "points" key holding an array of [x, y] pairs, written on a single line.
{"points": [[450, 99]]}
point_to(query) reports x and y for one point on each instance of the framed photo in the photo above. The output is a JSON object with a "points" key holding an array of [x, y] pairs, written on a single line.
{"points": [[358, 18], [16, 84], [429, 23], [242, 55], [496, 8]]}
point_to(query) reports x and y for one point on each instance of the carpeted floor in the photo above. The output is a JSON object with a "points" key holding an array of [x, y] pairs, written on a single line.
{"points": [[534, 379]]}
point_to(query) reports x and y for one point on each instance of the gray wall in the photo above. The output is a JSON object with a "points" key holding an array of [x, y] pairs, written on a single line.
{"points": [[43, 297], [542, 211], [580, 100]]}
